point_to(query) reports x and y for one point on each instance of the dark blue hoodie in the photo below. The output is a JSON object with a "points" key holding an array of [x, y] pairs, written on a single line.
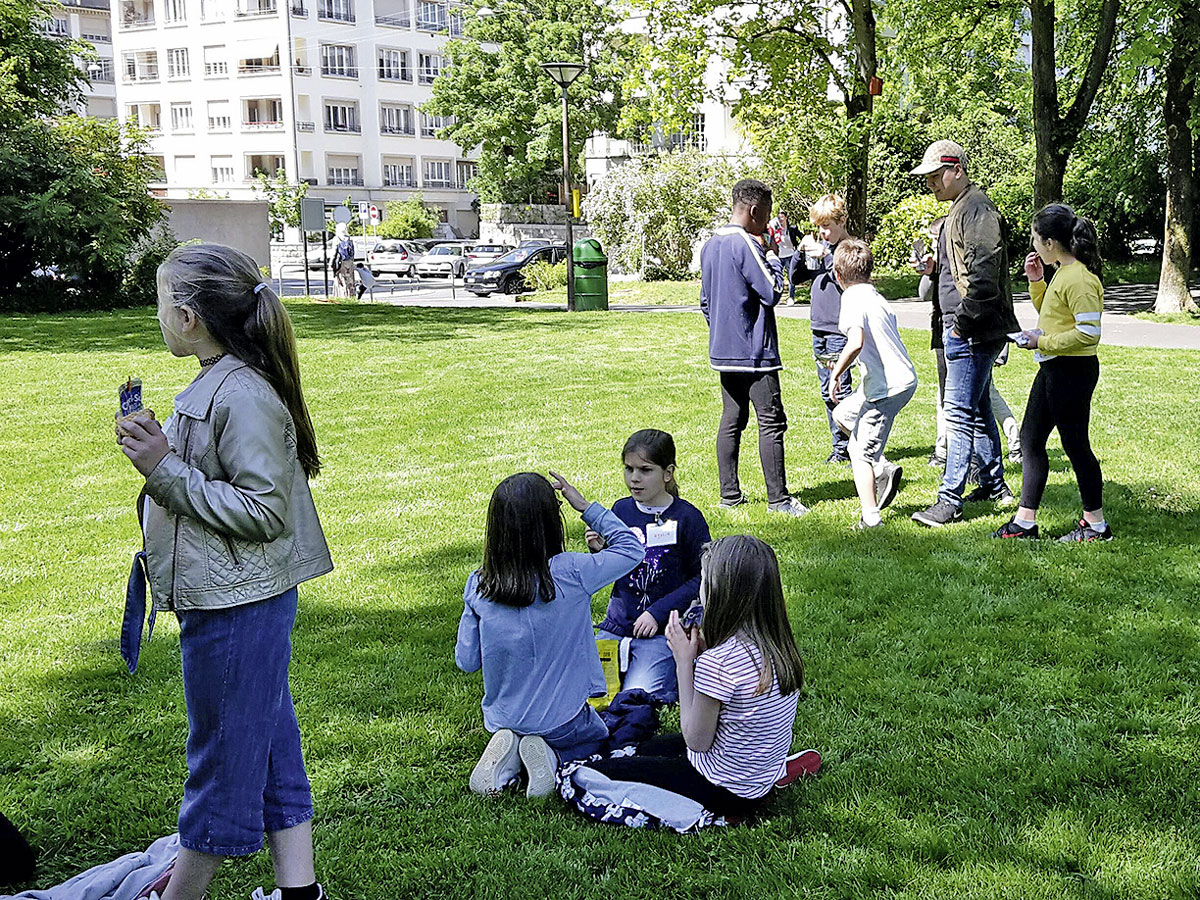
{"points": [[739, 287]]}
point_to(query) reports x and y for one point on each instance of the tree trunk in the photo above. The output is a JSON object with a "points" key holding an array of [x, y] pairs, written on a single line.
{"points": [[1196, 198], [859, 106], [1173, 295], [1056, 134]]}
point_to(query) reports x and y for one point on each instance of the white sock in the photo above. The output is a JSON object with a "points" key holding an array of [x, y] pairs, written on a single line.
{"points": [[871, 516], [1023, 523], [1097, 526]]}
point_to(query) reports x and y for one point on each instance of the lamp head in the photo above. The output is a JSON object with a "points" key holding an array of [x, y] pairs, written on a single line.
{"points": [[563, 73]]}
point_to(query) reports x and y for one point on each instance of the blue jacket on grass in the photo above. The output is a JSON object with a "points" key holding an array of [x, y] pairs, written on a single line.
{"points": [[739, 287]]}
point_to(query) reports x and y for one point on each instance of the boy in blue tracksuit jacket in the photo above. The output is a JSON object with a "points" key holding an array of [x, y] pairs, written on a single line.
{"points": [[740, 283]]}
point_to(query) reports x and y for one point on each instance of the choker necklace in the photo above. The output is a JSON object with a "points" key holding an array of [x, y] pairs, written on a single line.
{"points": [[211, 361]]}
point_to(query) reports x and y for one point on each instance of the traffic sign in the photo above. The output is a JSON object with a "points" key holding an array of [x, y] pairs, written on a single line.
{"points": [[374, 214], [363, 210]]}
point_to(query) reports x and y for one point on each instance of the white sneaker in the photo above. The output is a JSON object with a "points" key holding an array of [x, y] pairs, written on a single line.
{"points": [[258, 894], [499, 764], [540, 763]]}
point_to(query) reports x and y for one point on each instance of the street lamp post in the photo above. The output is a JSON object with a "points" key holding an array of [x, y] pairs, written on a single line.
{"points": [[563, 74]]}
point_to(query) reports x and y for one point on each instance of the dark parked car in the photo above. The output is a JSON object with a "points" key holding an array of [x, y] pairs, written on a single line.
{"points": [[504, 274]]}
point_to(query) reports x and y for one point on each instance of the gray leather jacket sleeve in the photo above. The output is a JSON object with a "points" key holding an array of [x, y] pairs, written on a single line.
{"points": [[252, 503]]}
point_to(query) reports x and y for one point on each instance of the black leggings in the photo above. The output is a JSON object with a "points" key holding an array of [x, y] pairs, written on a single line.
{"points": [[1061, 397], [662, 761]]}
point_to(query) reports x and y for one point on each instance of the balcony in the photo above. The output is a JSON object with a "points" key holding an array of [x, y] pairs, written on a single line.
{"points": [[299, 9], [397, 129], [306, 126], [96, 38], [431, 25], [339, 180], [140, 77], [101, 77], [135, 21], [404, 75], [302, 70], [340, 71], [400, 181], [403, 20], [439, 182], [352, 128], [258, 69], [264, 9], [262, 126], [331, 14]]}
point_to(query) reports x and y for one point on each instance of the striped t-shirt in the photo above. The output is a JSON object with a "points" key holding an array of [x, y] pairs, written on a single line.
{"points": [[754, 733]]}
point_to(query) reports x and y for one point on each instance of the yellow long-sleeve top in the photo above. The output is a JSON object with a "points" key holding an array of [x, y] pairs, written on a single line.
{"points": [[1068, 312]]}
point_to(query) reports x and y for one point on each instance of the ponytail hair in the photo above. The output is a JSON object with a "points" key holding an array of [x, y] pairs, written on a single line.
{"points": [[656, 446], [224, 287], [1059, 223]]}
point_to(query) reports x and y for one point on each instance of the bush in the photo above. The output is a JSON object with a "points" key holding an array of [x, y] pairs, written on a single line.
{"points": [[140, 286], [893, 243], [544, 276], [407, 220]]}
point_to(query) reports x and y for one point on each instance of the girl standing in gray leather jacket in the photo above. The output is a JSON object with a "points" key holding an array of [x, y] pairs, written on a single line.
{"points": [[230, 530]]}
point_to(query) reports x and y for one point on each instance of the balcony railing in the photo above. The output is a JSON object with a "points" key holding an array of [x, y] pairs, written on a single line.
{"points": [[134, 20], [262, 126], [400, 181], [101, 77], [96, 38], [299, 9], [267, 69], [302, 70], [340, 71], [393, 75], [439, 182], [306, 126], [347, 180], [139, 77], [396, 129], [431, 25], [352, 128], [404, 20], [269, 10], [463, 181], [329, 14]]}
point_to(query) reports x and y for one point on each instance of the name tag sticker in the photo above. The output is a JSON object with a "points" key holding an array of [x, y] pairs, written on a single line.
{"points": [[663, 535]]}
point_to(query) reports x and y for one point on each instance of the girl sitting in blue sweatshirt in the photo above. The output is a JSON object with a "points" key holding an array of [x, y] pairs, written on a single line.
{"points": [[674, 533], [527, 622]]}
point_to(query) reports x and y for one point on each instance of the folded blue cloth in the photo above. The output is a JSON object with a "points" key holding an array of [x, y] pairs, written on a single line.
{"points": [[135, 613]]}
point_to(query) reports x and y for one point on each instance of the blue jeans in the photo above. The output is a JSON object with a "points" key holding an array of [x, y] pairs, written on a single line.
{"points": [[651, 666], [579, 738], [970, 426], [827, 345], [245, 769]]}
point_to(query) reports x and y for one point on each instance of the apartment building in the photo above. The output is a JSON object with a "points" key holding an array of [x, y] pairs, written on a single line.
{"points": [[329, 90], [90, 21]]}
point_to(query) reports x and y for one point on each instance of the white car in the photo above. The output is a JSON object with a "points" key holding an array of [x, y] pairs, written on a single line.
{"points": [[485, 253], [442, 261], [392, 256]]}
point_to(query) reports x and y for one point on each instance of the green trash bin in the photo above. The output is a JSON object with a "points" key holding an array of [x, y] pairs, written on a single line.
{"points": [[591, 275]]}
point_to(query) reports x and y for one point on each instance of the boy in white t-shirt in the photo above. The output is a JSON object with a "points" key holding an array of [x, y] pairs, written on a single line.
{"points": [[888, 381]]}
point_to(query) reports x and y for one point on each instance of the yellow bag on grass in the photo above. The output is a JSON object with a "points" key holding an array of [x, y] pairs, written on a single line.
{"points": [[610, 662]]}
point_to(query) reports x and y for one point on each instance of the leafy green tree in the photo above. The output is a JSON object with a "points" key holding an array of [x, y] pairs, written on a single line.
{"points": [[408, 219], [504, 104], [283, 198], [39, 75]]}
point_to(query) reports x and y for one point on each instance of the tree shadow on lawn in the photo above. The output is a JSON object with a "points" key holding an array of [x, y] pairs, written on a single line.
{"points": [[137, 329]]}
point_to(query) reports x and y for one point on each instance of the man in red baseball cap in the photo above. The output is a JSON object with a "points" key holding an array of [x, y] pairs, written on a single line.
{"points": [[973, 293]]}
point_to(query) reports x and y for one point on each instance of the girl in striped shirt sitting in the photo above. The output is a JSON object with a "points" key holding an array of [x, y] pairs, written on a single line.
{"points": [[737, 697]]}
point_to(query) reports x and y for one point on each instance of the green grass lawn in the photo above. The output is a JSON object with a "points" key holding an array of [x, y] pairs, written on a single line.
{"points": [[997, 719]]}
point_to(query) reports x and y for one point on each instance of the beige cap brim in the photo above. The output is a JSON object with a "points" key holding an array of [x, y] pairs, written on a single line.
{"points": [[928, 168]]}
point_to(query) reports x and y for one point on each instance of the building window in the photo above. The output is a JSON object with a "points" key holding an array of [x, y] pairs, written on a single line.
{"points": [[177, 63], [431, 124], [341, 116], [222, 170], [466, 171], [215, 64], [212, 10], [456, 22], [395, 119], [181, 117], [430, 16], [393, 65], [336, 10], [398, 175], [218, 116], [174, 11], [338, 59], [438, 174], [430, 67], [344, 175]]}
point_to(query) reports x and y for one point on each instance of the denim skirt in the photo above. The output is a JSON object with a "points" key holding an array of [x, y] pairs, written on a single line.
{"points": [[246, 773]]}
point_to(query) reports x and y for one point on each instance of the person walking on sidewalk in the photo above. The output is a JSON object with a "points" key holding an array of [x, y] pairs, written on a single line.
{"points": [[740, 284], [1064, 346], [977, 314]]}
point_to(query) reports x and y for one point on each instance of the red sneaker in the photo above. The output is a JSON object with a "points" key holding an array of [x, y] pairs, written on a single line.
{"points": [[806, 763]]}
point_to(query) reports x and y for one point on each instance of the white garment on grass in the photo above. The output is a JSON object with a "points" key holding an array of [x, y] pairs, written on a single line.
{"points": [[884, 362]]}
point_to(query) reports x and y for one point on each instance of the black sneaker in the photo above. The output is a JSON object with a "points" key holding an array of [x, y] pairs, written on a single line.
{"points": [[1013, 530], [887, 484], [1001, 495], [838, 457], [739, 500], [1085, 532], [943, 512]]}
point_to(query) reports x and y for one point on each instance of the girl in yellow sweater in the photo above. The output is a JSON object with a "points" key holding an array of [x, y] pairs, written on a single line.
{"points": [[1064, 345]]}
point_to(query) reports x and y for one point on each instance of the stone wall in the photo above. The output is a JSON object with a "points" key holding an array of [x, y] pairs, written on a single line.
{"points": [[236, 223]]}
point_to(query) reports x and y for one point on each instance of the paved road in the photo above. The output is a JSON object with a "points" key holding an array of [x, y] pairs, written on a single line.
{"points": [[1120, 328]]}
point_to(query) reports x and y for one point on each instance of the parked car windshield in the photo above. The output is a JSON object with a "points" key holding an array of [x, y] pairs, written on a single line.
{"points": [[517, 256], [443, 250], [388, 247], [488, 248]]}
